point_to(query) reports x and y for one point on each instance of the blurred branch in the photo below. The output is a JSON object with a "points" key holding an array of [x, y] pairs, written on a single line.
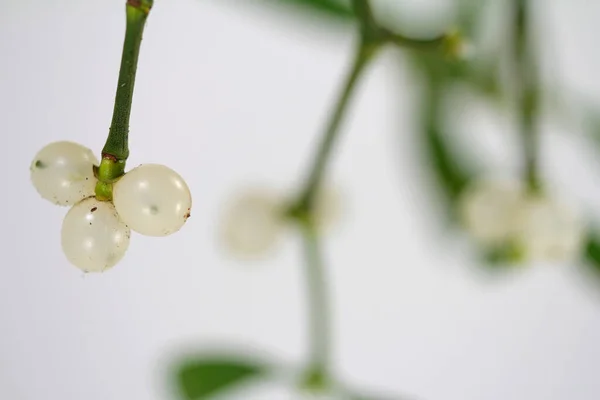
{"points": [[319, 312], [302, 210], [372, 38], [364, 12], [361, 59], [528, 96]]}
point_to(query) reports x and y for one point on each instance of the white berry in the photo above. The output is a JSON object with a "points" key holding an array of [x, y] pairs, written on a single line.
{"points": [[488, 210], [62, 172], [252, 223], [93, 236], [152, 200], [550, 231]]}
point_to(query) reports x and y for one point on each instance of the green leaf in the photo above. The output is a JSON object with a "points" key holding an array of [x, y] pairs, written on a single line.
{"points": [[450, 175], [332, 8], [203, 377], [592, 253], [505, 256], [482, 78]]}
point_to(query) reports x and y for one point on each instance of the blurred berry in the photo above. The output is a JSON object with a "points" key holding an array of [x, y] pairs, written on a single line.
{"points": [[488, 209], [549, 231]]}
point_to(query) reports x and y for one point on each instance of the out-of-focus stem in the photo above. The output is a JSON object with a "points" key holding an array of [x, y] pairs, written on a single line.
{"points": [[318, 303], [528, 93], [332, 131]]}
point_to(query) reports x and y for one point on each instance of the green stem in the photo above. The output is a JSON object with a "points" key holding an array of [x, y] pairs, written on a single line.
{"points": [[117, 141], [372, 38], [328, 141], [528, 96], [116, 148], [318, 308], [364, 12], [303, 212]]}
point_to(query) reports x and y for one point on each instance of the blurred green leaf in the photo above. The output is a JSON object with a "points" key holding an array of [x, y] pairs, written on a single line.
{"points": [[592, 253], [315, 380], [432, 66], [448, 173], [333, 8], [202, 378], [505, 256]]}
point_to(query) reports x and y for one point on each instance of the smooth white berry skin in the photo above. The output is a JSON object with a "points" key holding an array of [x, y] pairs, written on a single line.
{"points": [[93, 236], [252, 223], [152, 200], [489, 210], [62, 172], [549, 231]]}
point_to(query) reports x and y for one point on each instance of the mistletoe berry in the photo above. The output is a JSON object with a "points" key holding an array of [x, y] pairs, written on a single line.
{"points": [[63, 173], [93, 236], [153, 200]]}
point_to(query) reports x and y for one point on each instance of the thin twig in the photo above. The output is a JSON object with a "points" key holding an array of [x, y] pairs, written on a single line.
{"points": [[364, 12], [117, 141], [372, 37], [527, 86], [303, 209], [319, 312], [328, 141]]}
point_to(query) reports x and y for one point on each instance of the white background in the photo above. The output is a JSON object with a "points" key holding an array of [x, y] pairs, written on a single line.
{"points": [[232, 95]]}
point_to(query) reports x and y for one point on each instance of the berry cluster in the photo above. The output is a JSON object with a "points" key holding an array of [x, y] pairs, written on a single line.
{"points": [[151, 199], [537, 227]]}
